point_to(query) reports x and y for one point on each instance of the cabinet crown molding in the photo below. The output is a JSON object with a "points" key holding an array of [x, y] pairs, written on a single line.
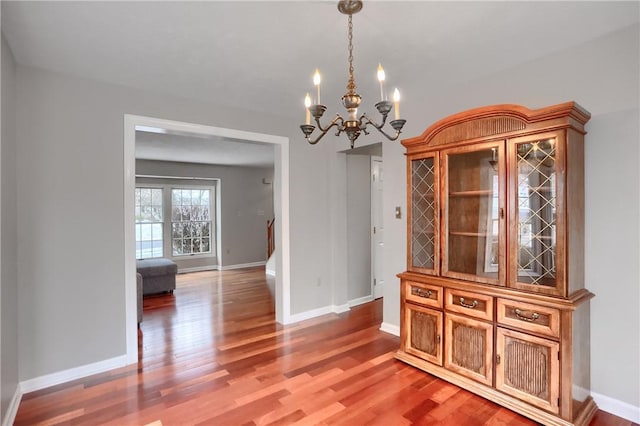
{"points": [[497, 120]]}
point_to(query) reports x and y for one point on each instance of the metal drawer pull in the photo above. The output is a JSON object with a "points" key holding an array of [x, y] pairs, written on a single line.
{"points": [[532, 318], [420, 292], [466, 305]]}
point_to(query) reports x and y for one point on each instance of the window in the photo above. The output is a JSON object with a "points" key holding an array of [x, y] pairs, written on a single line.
{"points": [[184, 214], [149, 221], [190, 221]]}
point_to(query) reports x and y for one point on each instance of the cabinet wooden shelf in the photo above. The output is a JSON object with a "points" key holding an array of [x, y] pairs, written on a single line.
{"points": [[469, 234], [493, 299], [471, 193]]}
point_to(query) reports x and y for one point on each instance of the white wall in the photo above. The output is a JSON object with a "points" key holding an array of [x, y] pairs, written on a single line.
{"points": [[243, 197], [602, 76], [70, 181], [8, 259]]}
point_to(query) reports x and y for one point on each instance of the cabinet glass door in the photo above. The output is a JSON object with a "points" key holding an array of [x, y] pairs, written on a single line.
{"points": [[473, 238], [534, 191], [423, 219]]}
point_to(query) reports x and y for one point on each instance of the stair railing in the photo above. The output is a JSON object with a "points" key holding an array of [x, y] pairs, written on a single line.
{"points": [[271, 242]]}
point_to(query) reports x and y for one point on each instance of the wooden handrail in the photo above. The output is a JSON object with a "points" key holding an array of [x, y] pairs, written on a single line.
{"points": [[271, 241]]}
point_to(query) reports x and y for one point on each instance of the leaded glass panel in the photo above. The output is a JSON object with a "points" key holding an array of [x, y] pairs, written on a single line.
{"points": [[536, 212], [423, 213]]}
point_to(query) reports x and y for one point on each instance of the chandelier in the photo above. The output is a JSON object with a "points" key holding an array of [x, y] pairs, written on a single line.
{"points": [[352, 125]]}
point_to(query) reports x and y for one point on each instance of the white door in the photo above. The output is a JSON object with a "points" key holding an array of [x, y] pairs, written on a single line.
{"points": [[377, 228]]}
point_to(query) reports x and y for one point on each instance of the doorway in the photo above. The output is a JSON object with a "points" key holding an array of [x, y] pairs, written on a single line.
{"points": [[281, 210], [365, 227], [377, 228]]}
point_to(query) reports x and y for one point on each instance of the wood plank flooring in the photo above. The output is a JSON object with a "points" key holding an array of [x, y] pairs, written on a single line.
{"points": [[212, 354]]}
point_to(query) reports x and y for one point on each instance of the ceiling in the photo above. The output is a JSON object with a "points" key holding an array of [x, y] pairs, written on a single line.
{"points": [[260, 56], [159, 145]]}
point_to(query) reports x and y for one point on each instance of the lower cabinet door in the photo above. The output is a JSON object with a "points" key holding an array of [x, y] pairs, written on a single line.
{"points": [[527, 367], [424, 333], [469, 348]]}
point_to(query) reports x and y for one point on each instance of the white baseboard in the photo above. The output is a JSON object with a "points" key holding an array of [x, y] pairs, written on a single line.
{"points": [[72, 374], [313, 313], [222, 268], [360, 301], [617, 407], [390, 328], [12, 410], [198, 269], [271, 272], [242, 265], [579, 394], [338, 309]]}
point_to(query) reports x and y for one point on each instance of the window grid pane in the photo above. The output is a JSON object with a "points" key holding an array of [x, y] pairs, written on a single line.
{"points": [[190, 221], [149, 222]]}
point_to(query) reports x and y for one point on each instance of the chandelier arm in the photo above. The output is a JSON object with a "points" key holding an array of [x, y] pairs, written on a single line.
{"points": [[337, 120], [365, 118]]}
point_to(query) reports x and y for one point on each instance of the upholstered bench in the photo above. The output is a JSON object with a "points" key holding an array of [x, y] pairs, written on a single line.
{"points": [[158, 275], [139, 302]]}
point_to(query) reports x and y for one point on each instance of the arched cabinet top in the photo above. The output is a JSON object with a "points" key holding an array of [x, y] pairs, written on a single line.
{"points": [[496, 121]]}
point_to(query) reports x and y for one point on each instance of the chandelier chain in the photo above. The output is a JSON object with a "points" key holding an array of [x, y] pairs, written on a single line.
{"points": [[351, 86]]}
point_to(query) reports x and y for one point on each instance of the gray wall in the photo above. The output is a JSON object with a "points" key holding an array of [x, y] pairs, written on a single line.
{"points": [[602, 76], [8, 226], [70, 176], [243, 197], [358, 226]]}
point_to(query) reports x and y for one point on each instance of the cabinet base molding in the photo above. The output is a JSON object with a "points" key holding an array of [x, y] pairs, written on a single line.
{"points": [[584, 414]]}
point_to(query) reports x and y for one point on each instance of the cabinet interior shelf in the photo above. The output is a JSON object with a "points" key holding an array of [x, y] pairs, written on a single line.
{"points": [[470, 234], [541, 237], [540, 189], [471, 193]]}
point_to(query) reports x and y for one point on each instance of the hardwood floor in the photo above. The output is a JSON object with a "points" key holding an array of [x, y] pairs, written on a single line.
{"points": [[212, 354]]}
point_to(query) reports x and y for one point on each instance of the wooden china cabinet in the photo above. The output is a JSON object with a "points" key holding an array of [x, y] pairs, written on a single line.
{"points": [[493, 299]]}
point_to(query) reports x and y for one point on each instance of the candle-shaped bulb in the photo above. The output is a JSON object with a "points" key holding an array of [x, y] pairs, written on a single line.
{"points": [[316, 82], [307, 104], [381, 77], [396, 103]]}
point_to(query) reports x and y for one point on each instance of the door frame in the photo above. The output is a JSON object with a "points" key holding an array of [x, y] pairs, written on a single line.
{"points": [[374, 259], [281, 189]]}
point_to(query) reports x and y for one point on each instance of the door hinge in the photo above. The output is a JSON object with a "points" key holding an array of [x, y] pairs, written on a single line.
{"points": [[375, 282], [374, 229]]}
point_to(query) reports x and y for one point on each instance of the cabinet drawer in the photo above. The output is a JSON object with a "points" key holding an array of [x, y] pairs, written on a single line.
{"points": [[424, 294], [529, 317], [471, 304]]}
